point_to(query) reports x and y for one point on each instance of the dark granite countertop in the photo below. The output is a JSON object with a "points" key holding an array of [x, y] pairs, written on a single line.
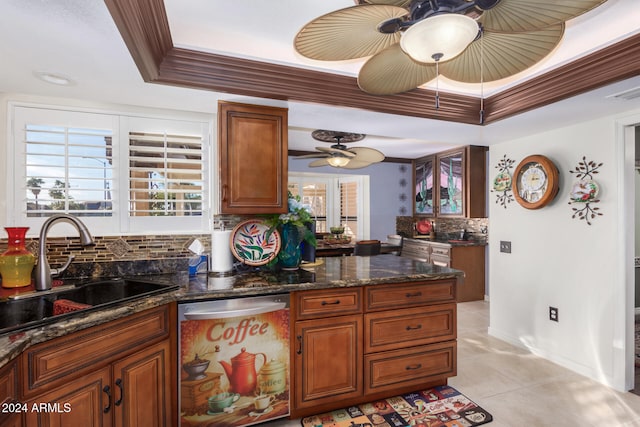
{"points": [[330, 272], [325, 273]]}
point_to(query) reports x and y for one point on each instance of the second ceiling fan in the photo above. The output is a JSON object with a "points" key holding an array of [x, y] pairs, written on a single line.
{"points": [[339, 155]]}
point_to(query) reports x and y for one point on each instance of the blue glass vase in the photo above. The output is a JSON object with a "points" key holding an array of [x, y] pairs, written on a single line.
{"points": [[290, 253]]}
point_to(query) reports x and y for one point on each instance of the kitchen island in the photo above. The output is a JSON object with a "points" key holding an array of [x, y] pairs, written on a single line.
{"points": [[375, 287]]}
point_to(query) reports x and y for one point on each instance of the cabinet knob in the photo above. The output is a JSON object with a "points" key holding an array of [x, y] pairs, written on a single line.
{"points": [[413, 367], [413, 295], [336, 302], [413, 328]]}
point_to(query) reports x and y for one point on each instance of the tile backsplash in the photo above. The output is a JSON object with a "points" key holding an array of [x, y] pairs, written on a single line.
{"points": [[446, 228]]}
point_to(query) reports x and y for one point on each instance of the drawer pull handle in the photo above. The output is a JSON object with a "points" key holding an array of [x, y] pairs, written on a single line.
{"points": [[107, 390], [336, 302], [299, 338], [412, 295], [413, 328], [119, 384], [413, 367]]}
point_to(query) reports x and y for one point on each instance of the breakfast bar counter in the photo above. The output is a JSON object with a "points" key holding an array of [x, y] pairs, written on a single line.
{"points": [[330, 272]]}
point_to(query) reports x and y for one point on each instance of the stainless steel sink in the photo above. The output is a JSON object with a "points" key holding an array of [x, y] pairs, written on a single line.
{"points": [[37, 308]]}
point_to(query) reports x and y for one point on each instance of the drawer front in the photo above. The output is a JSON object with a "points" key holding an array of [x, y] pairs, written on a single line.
{"points": [[384, 297], [413, 367], [59, 360], [441, 260], [409, 327], [415, 250], [439, 250], [327, 302]]}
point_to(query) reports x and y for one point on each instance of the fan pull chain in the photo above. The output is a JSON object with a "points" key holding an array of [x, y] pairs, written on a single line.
{"points": [[436, 57], [481, 76]]}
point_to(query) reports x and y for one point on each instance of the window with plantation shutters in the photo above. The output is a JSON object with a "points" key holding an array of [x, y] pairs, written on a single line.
{"points": [[335, 200], [166, 176], [119, 173]]}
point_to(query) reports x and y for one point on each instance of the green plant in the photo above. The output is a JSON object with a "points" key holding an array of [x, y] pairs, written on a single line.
{"points": [[298, 215]]}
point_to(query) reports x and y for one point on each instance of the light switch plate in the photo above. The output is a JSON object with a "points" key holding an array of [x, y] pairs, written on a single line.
{"points": [[505, 246]]}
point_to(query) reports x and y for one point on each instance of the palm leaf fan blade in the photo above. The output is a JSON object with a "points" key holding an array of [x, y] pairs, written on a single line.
{"points": [[348, 33], [529, 15], [505, 54], [392, 71], [399, 3], [366, 154], [318, 163]]}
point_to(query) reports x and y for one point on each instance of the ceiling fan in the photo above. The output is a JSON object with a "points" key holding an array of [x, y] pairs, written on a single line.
{"points": [[338, 155], [411, 42]]}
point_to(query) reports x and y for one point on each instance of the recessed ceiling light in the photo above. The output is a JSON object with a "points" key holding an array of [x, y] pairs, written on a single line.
{"points": [[54, 78]]}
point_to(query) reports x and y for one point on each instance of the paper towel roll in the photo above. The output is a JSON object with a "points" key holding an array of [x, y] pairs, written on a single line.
{"points": [[221, 256]]}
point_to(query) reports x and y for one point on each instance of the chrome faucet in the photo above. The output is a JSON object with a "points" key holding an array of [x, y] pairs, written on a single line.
{"points": [[44, 272]]}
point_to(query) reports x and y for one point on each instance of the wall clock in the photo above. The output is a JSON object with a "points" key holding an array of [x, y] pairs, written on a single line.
{"points": [[536, 182]]}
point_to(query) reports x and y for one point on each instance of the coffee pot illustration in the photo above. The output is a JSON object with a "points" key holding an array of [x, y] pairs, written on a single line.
{"points": [[242, 371]]}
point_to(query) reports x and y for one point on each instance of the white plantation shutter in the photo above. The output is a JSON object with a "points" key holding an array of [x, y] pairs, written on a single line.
{"points": [[166, 174], [349, 207], [68, 170]]}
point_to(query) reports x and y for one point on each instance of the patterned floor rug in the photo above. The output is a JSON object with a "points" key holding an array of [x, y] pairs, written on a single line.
{"points": [[441, 406]]}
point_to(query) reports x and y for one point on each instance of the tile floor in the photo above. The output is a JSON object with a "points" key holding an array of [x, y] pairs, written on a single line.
{"points": [[522, 390]]}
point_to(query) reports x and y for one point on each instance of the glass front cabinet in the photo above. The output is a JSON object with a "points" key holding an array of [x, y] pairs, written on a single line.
{"points": [[451, 183]]}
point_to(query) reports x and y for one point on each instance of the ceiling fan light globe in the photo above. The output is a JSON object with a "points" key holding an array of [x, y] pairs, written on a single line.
{"points": [[337, 161], [439, 38]]}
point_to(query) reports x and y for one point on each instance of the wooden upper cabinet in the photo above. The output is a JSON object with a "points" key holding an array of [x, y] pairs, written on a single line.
{"points": [[252, 142], [451, 183]]}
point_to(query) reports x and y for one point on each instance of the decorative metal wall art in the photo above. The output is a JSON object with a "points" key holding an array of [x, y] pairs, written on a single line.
{"points": [[502, 182], [584, 192]]}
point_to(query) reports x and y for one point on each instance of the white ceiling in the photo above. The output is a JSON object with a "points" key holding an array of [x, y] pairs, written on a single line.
{"points": [[78, 38]]}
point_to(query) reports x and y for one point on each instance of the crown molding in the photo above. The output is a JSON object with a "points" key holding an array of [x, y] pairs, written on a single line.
{"points": [[144, 27]]}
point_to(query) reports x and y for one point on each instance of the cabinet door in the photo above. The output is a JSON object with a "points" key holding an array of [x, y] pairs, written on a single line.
{"points": [[423, 176], [142, 388], [451, 197], [9, 394], [327, 360], [87, 401], [253, 147], [471, 260]]}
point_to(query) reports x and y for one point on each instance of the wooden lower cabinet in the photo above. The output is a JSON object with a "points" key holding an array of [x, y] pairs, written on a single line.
{"points": [[119, 374], [81, 402], [142, 392], [328, 360], [471, 260], [400, 339], [11, 415]]}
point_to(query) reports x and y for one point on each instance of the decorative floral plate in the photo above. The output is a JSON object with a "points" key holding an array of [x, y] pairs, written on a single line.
{"points": [[584, 191], [423, 226], [502, 181], [250, 244]]}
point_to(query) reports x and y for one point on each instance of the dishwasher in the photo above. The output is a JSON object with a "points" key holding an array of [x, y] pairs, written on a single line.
{"points": [[234, 361]]}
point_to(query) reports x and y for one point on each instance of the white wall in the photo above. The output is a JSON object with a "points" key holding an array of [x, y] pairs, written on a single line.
{"points": [[563, 262]]}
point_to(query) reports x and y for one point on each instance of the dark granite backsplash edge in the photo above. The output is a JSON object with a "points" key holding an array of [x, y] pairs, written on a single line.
{"points": [[126, 268]]}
